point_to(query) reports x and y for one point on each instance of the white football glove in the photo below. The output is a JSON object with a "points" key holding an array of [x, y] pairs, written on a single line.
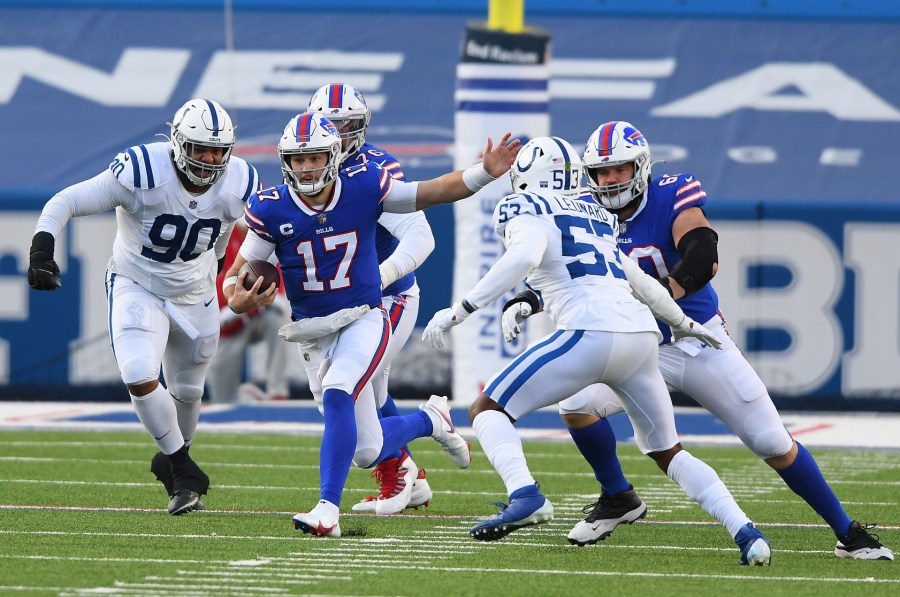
{"points": [[443, 320], [688, 328], [512, 319]]}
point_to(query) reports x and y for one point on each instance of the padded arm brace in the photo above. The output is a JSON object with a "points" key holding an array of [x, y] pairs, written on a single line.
{"points": [[698, 256], [526, 296]]}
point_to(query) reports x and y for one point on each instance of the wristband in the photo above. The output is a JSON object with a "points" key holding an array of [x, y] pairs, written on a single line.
{"points": [[476, 177], [468, 307], [227, 282], [528, 297]]}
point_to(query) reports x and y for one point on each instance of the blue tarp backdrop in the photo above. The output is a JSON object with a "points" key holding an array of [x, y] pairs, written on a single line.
{"points": [[784, 120]]}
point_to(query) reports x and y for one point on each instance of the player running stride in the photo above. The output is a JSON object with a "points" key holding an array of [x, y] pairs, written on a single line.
{"points": [[321, 226], [566, 245], [176, 204]]}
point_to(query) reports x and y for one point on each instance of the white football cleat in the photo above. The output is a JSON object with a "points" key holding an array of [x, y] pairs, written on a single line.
{"points": [[421, 492], [397, 478], [419, 496], [445, 433], [322, 521]]}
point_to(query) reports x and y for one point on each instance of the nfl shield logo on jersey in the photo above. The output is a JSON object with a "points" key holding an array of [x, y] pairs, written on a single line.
{"points": [[192, 204]]}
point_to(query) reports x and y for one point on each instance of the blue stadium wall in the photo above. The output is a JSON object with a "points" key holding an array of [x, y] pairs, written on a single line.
{"points": [[789, 112]]}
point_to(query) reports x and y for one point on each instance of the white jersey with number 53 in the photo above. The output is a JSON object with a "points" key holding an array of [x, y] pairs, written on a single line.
{"points": [[579, 278]]}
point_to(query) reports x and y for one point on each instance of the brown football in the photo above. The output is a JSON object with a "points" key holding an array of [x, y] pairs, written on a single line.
{"points": [[257, 268]]}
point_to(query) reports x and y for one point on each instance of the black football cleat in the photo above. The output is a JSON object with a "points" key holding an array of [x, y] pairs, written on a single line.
{"points": [[604, 515], [161, 467], [189, 482], [184, 501], [860, 544]]}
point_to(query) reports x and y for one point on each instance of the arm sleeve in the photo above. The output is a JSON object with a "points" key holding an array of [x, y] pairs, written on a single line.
{"points": [[416, 240], [401, 199], [256, 247], [98, 194], [525, 242], [650, 292]]}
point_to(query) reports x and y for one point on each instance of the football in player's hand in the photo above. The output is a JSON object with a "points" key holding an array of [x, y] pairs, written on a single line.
{"points": [[258, 268]]}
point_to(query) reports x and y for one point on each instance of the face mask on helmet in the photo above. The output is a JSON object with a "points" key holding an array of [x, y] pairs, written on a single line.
{"points": [[346, 108], [546, 164], [612, 144], [202, 138], [308, 134]]}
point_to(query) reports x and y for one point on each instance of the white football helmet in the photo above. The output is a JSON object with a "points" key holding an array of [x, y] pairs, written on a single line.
{"points": [[201, 122], [346, 108], [546, 164], [614, 143], [310, 133]]}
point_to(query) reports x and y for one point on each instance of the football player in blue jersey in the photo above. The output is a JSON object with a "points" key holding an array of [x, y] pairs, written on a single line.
{"points": [[664, 229], [565, 243], [176, 203], [403, 242], [321, 224]]}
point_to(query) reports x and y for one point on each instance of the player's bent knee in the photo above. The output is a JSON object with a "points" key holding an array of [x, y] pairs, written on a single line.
{"points": [[186, 393], [204, 348], [138, 370], [365, 457], [772, 443], [367, 450]]}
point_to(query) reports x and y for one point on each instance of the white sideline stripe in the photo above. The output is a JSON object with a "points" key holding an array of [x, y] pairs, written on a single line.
{"points": [[326, 561], [323, 560], [180, 587], [762, 480], [462, 518], [827, 455], [206, 576], [241, 573], [143, 462]]}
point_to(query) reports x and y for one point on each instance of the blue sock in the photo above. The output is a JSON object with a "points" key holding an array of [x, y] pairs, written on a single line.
{"points": [[398, 431], [597, 443], [390, 410], [338, 444], [806, 480]]}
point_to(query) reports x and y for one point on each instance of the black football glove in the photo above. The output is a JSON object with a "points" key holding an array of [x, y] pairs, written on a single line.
{"points": [[43, 273]]}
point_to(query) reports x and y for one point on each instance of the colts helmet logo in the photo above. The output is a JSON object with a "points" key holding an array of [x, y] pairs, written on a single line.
{"points": [[526, 166]]}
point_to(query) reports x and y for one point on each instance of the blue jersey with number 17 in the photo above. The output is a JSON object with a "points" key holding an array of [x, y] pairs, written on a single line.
{"points": [[327, 254], [646, 237]]}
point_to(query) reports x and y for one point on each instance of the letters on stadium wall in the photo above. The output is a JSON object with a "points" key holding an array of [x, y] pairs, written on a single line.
{"points": [[790, 125]]}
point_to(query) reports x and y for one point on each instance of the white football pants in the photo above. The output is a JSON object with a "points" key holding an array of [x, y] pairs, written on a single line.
{"points": [[721, 381], [567, 361]]}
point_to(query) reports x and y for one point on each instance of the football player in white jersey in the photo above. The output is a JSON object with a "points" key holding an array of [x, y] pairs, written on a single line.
{"points": [[566, 245], [403, 242], [667, 233], [322, 226], [176, 203]]}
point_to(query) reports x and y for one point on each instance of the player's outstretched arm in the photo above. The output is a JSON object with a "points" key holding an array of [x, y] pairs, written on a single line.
{"points": [[464, 183]]}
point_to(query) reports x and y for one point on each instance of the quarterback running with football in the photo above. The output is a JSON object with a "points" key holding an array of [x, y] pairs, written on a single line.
{"points": [[403, 242], [321, 224], [176, 203]]}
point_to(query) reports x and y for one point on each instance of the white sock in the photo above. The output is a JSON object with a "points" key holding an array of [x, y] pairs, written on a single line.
{"points": [[503, 447], [188, 417], [701, 483], [157, 413]]}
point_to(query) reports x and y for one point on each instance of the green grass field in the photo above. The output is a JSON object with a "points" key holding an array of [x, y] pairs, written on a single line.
{"points": [[80, 513]]}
